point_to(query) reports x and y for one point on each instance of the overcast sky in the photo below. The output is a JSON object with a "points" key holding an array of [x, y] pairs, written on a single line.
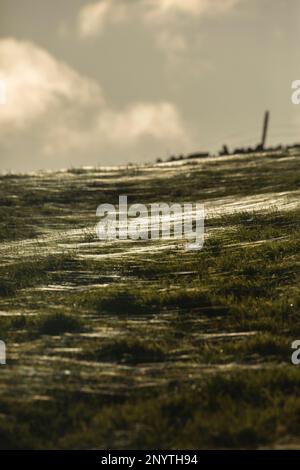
{"points": [[117, 81]]}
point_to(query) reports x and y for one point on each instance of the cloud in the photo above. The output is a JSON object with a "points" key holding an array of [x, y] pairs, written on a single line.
{"points": [[165, 21], [37, 83], [118, 129], [93, 17], [166, 7], [157, 120], [162, 9], [55, 110]]}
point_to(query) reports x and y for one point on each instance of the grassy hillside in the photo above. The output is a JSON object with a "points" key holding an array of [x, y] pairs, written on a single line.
{"points": [[144, 344]]}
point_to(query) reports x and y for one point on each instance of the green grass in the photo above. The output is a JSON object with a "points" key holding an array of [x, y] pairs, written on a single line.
{"points": [[58, 323], [247, 409], [30, 273], [167, 349], [128, 350]]}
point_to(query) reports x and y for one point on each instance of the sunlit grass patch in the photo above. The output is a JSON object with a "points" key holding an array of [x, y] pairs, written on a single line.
{"points": [[31, 272], [151, 348], [253, 347]]}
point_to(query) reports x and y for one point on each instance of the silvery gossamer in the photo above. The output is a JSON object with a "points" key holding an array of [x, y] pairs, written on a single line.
{"points": [[161, 221]]}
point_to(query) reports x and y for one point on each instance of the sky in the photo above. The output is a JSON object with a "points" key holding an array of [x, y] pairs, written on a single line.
{"points": [[110, 82]]}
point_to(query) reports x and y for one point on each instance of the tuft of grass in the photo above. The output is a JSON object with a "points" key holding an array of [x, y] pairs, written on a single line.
{"points": [[146, 301], [129, 350], [7, 288], [259, 347], [118, 302], [28, 273], [265, 344], [58, 323]]}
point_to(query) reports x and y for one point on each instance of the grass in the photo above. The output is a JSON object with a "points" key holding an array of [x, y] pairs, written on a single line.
{"points": [[148, 301], [234, 410], [30, 273], [128, 350], [168, 349], [58, 323], [261, 346]]}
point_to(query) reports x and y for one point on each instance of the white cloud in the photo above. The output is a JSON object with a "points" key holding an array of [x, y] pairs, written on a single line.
{"points": [[118, 129], [56, 110], [157, 120], [163, 8], [36, 83], [93, 17], [164, 20]]}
